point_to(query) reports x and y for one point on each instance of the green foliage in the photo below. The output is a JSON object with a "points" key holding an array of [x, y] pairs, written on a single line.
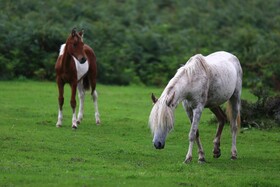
{"points": [[264, 113], [141, 41], [119, 152]]}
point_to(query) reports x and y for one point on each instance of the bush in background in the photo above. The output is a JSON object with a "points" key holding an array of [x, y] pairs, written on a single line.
{"points": [[141, 42]]}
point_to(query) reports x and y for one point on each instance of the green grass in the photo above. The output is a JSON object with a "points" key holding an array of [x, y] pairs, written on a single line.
{"points": [[119, 152]]}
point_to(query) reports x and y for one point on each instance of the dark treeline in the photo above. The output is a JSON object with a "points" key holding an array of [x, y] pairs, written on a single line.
{"points": [[141, 42]]}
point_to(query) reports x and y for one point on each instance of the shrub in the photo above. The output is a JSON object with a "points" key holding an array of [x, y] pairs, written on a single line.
{"points": [[264, 113]]}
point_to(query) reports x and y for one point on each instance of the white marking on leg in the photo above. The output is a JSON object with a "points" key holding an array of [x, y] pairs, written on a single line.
{"points": [[59, 118], [74, 120], [81, 93], [95, 97]]}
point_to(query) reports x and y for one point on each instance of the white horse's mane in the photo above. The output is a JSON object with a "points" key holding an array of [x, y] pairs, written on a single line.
{"points": [[162, 117], [194, 66]]}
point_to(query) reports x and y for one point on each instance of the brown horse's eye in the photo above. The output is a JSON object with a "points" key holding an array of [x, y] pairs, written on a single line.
{"points": [[74, 45]]}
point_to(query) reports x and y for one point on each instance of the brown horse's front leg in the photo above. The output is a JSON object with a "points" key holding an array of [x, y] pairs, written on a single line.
{"points": [[60, 85], [73, 104]]}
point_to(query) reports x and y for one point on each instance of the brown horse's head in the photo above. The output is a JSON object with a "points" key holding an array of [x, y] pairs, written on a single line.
{"points": [[75, 45]]}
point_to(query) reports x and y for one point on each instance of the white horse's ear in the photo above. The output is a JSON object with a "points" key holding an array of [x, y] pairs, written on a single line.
{"points": [[154, 99], [169, 100]]}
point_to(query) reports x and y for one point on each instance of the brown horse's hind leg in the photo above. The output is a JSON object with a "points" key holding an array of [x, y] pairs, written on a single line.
{"points": [[81, 92], [97, 118], [221, 117], [60, 85], [94, 95]]}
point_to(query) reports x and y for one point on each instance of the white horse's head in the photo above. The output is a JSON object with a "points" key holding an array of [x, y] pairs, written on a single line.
{"points": [[161, 119]]}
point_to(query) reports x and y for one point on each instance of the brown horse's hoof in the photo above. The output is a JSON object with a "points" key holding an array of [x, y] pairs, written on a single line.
{"points": [[217, 153], [201, 161], [97, 122]]}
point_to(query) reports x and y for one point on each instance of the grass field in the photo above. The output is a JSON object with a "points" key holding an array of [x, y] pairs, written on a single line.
{"points": [[119, 152]]}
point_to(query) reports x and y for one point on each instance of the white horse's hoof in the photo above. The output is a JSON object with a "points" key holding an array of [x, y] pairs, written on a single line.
{"points": [[188, 160], [58, 125]]}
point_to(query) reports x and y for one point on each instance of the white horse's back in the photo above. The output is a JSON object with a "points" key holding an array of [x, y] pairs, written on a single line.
{"points": [[225, 77]]}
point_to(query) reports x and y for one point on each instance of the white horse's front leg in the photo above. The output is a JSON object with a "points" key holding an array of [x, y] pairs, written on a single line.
{"points": [[94, 97], [81, 92], [59, 118], [192, 135], [201, 157]]}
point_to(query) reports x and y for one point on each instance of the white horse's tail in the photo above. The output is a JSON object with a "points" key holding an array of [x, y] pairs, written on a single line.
{"points": [[229, 114]]}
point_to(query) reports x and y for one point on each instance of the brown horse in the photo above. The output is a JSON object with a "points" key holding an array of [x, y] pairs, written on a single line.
{"points": [[76, 65]]}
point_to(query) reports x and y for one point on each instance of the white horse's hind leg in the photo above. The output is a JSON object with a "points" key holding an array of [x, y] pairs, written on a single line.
{"points": [[95, 97], [81, 92], [221, 117], [233, 112]]}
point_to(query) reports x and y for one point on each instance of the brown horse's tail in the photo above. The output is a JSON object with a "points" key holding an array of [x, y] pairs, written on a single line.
{"points": [[86, 82], [229, 114]]}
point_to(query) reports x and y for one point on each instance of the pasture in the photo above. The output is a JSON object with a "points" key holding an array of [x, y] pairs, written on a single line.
{"points": [[119, 152]]}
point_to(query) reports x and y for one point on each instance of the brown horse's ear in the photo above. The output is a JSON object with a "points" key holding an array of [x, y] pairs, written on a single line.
{"points": [[81, 33], [169, 101], [154, 99], [74, 32]]}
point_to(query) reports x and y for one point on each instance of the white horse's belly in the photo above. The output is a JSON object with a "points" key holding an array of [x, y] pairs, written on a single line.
{"points": [[222, 83], [218, 96]]}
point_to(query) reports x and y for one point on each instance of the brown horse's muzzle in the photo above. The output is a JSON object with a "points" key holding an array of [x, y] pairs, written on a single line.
{"points": [[83, 60]]}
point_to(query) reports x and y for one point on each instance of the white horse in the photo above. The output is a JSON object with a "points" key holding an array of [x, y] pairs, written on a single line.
{"points": [[203, 82]]}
